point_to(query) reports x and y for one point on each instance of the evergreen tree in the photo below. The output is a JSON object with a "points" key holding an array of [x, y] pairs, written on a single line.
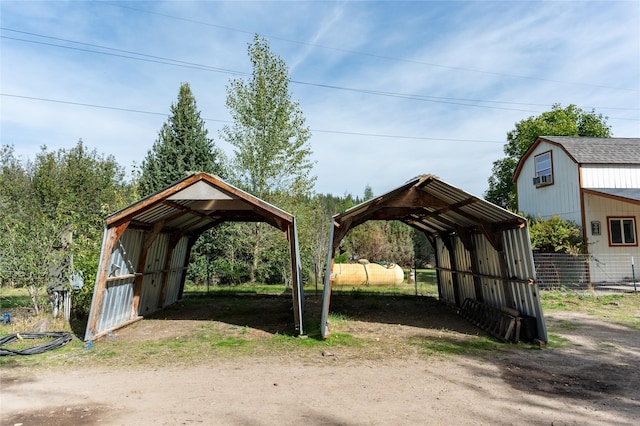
{"points": [[569, 121], [182, 147]]}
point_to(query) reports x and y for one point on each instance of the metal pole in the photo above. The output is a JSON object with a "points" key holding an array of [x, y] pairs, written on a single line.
{"points": [[633, 275]]}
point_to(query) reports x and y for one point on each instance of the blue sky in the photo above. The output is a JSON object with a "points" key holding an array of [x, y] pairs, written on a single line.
{"points": [[390, 90]]}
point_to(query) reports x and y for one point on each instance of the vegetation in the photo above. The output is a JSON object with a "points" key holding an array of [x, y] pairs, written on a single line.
{"points": [[235, 330], [271, 154], [182, 147], [556, 235], [61, 192], [569, 121]]}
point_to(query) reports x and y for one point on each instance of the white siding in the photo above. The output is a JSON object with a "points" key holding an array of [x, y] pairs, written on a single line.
{"points": [[603, 264], [612, 176], [562, 198]]}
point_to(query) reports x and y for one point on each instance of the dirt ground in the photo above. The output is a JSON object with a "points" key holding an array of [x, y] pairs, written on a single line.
{"points": [[591, 379]]}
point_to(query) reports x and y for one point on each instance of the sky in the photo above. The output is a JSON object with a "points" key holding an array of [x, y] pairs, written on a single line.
{"points": [[390, 90]]}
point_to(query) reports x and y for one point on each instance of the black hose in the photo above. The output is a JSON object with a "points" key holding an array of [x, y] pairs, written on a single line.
{"points": [[59, 339]]}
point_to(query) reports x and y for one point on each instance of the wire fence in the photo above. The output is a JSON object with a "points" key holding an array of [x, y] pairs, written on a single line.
{"points": [[581, 272]]}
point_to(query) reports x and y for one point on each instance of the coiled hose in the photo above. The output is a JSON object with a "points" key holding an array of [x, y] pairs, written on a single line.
{"points": [[59, 339]]}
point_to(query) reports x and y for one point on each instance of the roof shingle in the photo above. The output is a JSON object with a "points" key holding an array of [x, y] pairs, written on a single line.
{"points": [[599, 150]]}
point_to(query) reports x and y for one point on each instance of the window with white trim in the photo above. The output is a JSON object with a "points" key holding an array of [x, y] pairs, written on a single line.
{"points": [[544, 169], [622, 231]]}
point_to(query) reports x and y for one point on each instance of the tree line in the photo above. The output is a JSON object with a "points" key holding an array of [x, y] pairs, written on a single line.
{"points": [[75, 189]]}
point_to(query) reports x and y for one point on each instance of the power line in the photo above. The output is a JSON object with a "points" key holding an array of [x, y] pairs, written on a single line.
{"points": [[82, 104], [372, 55], [174, 62]]}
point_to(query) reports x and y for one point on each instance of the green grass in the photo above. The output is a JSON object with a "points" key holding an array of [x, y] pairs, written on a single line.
{"points": [[213, 338], [17, 298], [619, 308]]}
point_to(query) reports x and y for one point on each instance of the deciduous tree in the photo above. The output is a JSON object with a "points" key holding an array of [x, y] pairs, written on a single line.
{"points": [[270, 139], [569, 121]]}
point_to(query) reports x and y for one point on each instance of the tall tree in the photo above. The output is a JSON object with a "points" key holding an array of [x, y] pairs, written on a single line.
{"points": [[269, 134], [569, 121], [182, 147], [270, 138]]}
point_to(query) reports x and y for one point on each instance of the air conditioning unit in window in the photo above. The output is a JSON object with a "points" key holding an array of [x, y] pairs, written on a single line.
{"points": [[542, 180]]}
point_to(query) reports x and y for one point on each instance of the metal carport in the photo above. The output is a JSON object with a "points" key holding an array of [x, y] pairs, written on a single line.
{"points": [[146, 247], [483, 252]]}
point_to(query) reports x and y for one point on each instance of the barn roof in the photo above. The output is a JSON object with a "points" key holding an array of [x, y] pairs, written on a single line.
{"points": [[585, 150]]}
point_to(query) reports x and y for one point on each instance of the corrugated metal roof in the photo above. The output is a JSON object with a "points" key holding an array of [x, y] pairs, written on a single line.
{"points": [[432, 205], [599, 150], [197, 203]]}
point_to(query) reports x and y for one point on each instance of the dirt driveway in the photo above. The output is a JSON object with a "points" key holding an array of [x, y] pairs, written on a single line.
{"points": [[593, 378]]}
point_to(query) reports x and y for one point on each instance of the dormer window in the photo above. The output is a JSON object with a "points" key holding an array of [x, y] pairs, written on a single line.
{"points": [[544, 169]]}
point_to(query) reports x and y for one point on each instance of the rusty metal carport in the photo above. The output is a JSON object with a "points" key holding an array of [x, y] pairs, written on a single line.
{"points": [[483, 252], [146, 247]]}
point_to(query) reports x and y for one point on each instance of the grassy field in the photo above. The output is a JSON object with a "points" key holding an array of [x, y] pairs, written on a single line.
{"points": [[224, 323]]}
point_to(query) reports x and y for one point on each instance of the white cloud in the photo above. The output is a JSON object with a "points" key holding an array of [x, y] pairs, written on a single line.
{"points": [[573, 52]]}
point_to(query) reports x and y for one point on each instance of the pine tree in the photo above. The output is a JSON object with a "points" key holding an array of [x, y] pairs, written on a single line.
{"points": [[182, 147]]}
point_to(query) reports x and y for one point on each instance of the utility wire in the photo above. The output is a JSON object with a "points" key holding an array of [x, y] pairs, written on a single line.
{"points": [[372, 55], [227, 121], [168, 61]]}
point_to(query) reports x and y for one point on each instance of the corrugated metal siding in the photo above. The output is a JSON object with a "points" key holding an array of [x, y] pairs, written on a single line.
{"points": [[126, 253], [118, 297], [445, 278], [117, 302], [489, 265], [610, 176], [466, 288], [152, 281], [519, 265], [178, 262]]}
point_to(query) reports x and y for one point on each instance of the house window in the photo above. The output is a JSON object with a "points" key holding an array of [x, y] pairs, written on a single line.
{"points": [[595, 227], [544, 169], [622, 231]]}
